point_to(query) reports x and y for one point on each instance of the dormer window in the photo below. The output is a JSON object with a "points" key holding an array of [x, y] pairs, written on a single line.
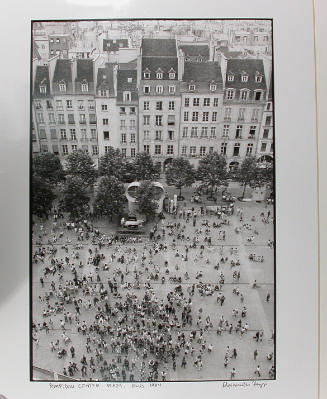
{"points": [[191, 87], [172, 75], [213, 87], [146, 74], [244, 78], [62, 86], [258, 78], [43, 89], [230, 78], [159, 75], [129, 80], [85, 87]]}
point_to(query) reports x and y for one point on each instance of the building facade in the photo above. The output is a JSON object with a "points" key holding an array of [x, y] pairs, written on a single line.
{"points": [[170, 101]]}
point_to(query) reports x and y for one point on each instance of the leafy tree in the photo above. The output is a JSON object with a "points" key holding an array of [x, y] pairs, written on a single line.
{"points": [[42, 197], [212, 171], [48, 166], [111, 163], [80, 164], [75, 200], [267, 174], [249, 173], [145, 169], [110, 197], [145, 196], [180, 173]]}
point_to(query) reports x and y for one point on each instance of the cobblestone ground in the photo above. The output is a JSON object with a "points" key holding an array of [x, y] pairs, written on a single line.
{"points": [[260, 313]]}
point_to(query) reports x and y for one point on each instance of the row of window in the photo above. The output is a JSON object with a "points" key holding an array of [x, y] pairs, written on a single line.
{"points": [[159, 106], [159, 74], [158, 135], [159, 89], [158, 120], [230, 94], [123, 151], [71, 134], [192, 150], [68, 103], [205, 116], [196, 102], [244, 77], [241, 114], [71, 119], [73, 147]]}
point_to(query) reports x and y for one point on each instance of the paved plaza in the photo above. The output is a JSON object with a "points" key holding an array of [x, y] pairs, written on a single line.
{"points": [[112, 318]]}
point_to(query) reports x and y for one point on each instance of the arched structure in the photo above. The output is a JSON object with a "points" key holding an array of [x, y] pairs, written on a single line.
{"points": [[131, 191]]}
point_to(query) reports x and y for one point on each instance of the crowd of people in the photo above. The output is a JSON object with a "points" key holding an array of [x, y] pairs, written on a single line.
{"points": [[119, 307]]}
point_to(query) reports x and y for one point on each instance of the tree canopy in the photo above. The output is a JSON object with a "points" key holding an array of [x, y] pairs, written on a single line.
{"points": [[111, 163], [249, 173], [145, 196], [75, 200], [180, 173], [42, 196], [80, 164], [144, 168], [212, 171], [48, 166], [110, 197]]}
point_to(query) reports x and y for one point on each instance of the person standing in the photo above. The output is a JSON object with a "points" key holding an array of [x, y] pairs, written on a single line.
{"points": [[255, 354]]}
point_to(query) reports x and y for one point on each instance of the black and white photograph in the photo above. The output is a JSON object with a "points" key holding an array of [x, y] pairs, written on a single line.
{"points": [[152, 200]]}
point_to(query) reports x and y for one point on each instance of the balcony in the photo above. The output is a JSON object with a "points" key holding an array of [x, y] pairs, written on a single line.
{"points": [[227, 119], [60, 122], [59, 108], [93, 122], [124, 143], [84, 139], [82, 122], [73, 139], [251, 137], [91, 107], [240, 119], [93, 139], [63, 139]]}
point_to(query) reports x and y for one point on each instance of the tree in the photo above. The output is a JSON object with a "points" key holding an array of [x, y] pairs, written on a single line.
{"points": [[110, 197], [145, 197], [48, 166], [145, 169], [249, 173], [180, 173], [111, 163], [80, 164], [75, 200], [212, 171], [42, 197]]}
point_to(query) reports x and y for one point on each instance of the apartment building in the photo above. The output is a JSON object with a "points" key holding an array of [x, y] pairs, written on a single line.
{"points": [[265, 148], [127, 109], [43, 113], [201, 109], [75, 124], [159, 99], [105, 100], [244, 103]]}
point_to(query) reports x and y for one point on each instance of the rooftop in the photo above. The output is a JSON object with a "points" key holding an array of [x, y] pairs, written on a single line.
{"points": [[84, 70], [42, 78], [114, 44], [153, 64], [195, 50], [251, 67], [63, 71], [202, 72], [105, 80], [159, 48]]}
